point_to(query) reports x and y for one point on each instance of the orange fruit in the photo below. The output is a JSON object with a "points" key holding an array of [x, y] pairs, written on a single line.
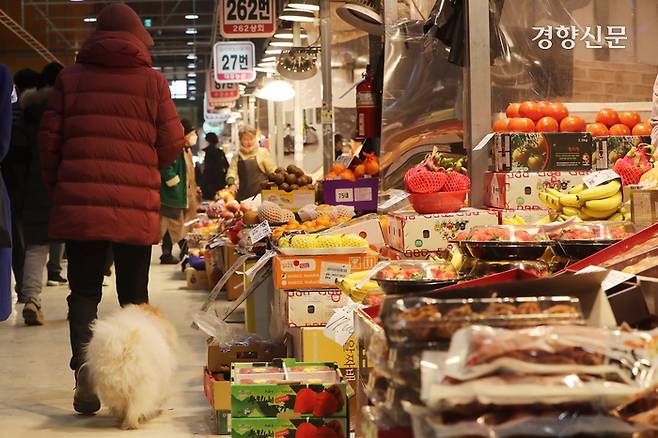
{"points": [[547, 124], [521, 124], [629, 118], [642, 129], [531, 110], [557, 111], [620, 129], [331, 175], [337, 168], [573, 124], [501, 125], [543, 106], [348, 175], [608, 117], [597, 129], [513, 110]]}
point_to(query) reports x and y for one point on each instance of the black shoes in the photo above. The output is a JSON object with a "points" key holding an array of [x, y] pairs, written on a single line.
{"points": [[85, 400], [168, 259], [56, 280]]}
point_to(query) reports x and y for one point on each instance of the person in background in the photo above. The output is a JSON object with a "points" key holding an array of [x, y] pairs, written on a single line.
{"points": [[54, 265], [6, 88], [36, 210], [13, 173], [338, 145], [250, 166], [109, 128], [177, 197], [215, 166]]}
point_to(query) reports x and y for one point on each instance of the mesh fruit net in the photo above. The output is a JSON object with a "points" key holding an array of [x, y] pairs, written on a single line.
{"points": [[419, 180], [456, 182], [629, 174]]}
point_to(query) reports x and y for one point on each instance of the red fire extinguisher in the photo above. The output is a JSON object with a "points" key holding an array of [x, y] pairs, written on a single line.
{"points": [[367, 119]]}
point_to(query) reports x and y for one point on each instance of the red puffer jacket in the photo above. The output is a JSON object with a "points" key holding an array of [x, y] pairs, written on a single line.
{"points": [[109, 127]]}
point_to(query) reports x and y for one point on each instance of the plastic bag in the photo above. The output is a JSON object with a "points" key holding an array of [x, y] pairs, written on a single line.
{"points": [[222, 332]]}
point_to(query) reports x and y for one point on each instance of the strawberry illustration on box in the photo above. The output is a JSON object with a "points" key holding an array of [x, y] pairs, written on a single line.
{"points": [[290, 428]]}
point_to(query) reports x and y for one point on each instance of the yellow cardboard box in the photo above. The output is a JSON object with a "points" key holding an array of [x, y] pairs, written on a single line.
{"points": [[292, 201], [311, 345]]}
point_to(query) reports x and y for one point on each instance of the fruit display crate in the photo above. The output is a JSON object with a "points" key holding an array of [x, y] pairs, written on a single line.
{"points": [[292, 200]]}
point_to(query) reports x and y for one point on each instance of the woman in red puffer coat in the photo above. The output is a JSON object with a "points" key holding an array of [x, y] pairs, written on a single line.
{"points": [[109, 128]]}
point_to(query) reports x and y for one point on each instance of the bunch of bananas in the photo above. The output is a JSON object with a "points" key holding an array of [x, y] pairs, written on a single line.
{"points": [[348, 286], [603, 202]]}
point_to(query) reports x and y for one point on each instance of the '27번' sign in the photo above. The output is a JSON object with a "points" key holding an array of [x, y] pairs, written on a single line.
{"points": [[234, 61], [247, 18]]}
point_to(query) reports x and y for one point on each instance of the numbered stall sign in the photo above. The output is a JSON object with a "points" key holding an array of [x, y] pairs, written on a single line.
{"points": [[220, 94], [247, 18], [234, 61]]}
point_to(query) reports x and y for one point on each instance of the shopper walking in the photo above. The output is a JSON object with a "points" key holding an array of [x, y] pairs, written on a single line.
{"points": [[110, 127], [36, 210], [250, 166], [215, 166], [178, 193], [5, 209], [13, 173], [54, 265]]}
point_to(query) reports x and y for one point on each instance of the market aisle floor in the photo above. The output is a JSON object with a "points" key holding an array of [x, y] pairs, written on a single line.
{"points": [[36, 385]]}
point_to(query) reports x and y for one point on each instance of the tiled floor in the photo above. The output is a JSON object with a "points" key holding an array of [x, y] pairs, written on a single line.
{"points": [[36, 385]]}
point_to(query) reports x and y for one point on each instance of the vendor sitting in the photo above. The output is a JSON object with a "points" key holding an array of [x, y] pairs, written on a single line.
{"points": [[250, 166]]}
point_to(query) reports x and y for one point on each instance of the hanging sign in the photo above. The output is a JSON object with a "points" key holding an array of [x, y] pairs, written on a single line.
{"points": [[234, 61], [214, 114], [247, 18], [220, 94]]}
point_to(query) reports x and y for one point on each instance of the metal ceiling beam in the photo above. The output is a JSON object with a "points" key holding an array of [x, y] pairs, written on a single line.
{"points": [[169, 27], [55, 29], [27, 37]]}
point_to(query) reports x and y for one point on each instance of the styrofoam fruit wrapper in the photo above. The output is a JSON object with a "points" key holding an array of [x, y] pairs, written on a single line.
{"points": [[309, 212], [271, 212]]}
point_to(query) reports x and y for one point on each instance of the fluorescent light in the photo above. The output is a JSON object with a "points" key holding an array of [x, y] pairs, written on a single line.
{"points": [[297, 16], [273, 51], [89, 19], [191, 17], [267, 64], [75, 1], [191, 75], [191, 56], [285, 33], [191, 87], [304, 5], [191, 31], [276, 90], [191, 65], [192, 98], [190, 43], [268, 59], [264, 70], [279, 42], [191, 81]]}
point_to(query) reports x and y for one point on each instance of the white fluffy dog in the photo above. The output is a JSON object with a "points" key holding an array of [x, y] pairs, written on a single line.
{"points": [[131, 359]]}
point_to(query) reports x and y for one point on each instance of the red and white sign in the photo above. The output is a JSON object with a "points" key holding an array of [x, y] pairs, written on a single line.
{"points": [[234, 61], [247, 18], [220, 94]]}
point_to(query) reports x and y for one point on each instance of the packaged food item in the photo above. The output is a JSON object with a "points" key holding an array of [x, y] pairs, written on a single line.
{"points": [[641, 409], [425, 319], [483, 268], [507, 242], [319, 244], [405, 276], [581, 240]]}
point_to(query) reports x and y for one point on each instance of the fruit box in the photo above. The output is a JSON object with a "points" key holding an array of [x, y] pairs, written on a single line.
{"points": [[217, 390], [360, 194], [223, 422], [644, 207], [308, 272], [416, 254], [528, 215], [290, 428], [221, 358], [410, 231], [536, 151], [308, 307], [369, 227], [311, 345], [288, 399], [292, 201], [520, 190], [197, 280], [607, 150]]}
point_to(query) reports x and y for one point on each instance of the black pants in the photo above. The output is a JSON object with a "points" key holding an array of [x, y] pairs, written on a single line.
{"points": [[87, 261], [17, 251]]}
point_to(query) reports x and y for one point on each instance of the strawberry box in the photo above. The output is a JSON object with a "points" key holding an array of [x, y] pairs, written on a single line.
{"points": [[288, 388], [290, 428], [607, 150], [536, 151]]}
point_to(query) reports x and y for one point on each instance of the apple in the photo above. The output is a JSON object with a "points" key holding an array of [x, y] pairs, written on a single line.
{"points": [[233, 206]]}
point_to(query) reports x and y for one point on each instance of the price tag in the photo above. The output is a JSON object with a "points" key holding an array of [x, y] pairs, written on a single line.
{"points": [[601, 177], [330, 272], [247, 18], [345, 160], [234, 61], [344, 195], [363, 194], [394, 200], [614, 278], [341, 325], [259, 232], [220, 94], [214, 244]]}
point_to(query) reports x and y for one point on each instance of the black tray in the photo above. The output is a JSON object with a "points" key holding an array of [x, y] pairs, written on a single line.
{"points": [[401, 287], [463, 248], [499, 251], [581, 249]]}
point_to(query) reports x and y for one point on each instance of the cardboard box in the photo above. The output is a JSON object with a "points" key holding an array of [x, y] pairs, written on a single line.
{"points": [[310, 272], [196, 279], [311, 345], [281, 427], [218, 260], [292, 201], [308, 307], [369, 229], [360, 194], [644, 207], [609, 149], [538, 152], [217, 390], [262, 400], [410, 231], [221, 358], [520, 190], [223, 422], [530, 216], [411, 254]]}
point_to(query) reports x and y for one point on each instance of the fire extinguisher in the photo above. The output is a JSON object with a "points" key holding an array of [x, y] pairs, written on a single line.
{"points": [[367, 119]]}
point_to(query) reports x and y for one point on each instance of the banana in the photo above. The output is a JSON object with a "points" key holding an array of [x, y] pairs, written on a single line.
{"points": [[599, 214], [570, 201], [543, 221], [627, 216], [617, 217], [348, 286], [570, 211], [623, 210], [600, 192], [584, 217], [554, 192], [519, 220], [549, 200], [456, 259], [577, 189], [611, 203]]}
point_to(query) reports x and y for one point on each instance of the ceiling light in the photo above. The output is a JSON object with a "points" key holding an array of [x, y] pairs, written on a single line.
{"points": [[191, 56], [267, 64], [75, 1], [279, 42], [190, 43], [265, 69], [273, 51], [192, 87], [268, 59], [191, 75], [192, 98], [285, 33], [191, 65], [191, 81], [191, 31], [191, 17], [297, 15], [276, 90], [89, 19], [304, 5]]}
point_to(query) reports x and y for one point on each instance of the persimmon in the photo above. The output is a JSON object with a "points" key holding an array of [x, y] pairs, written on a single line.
{"points": [[597, 129], [512, 110], [557, 111], [642, 128], [547, 124], [573, 124], [531, 110], [629, 118], [521, 124], [501, 125], [608, 117], [620, 129]]}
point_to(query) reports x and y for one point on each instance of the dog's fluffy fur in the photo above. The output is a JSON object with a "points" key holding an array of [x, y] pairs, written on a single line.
{"points": [[131, 359]]}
